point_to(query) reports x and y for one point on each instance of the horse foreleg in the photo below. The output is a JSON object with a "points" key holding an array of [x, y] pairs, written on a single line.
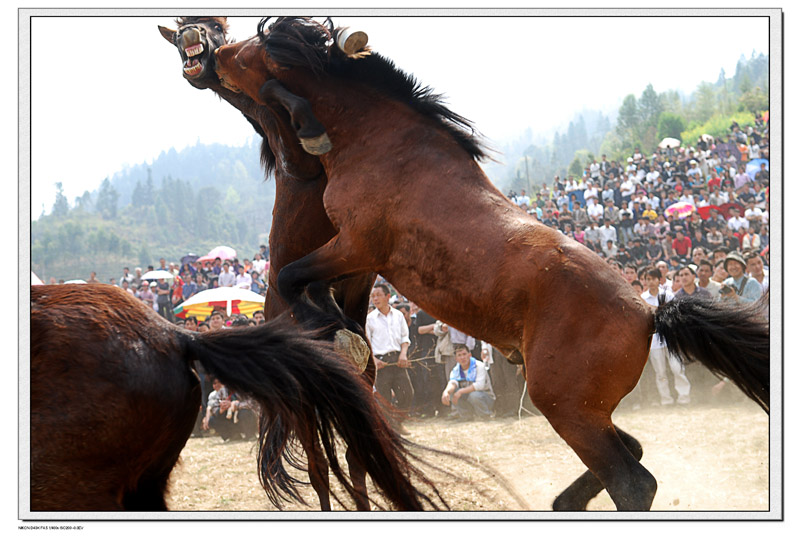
{"points": [[359, 479], [309, 130], [586, 487], [327, 264]]}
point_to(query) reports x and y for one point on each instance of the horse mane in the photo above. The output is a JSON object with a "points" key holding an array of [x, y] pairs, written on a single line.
{"points": [[302, 42]]}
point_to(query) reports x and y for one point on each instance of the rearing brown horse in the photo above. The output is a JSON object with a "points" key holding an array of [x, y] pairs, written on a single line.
{"points": [[409, 201], [299, 223]]}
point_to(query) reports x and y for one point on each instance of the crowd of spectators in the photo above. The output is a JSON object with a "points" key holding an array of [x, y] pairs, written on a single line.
{"points": [[665, 206]]}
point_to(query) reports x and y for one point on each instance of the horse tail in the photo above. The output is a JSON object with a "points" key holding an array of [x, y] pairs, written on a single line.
{"points": [[299, 382], [731, 340]]}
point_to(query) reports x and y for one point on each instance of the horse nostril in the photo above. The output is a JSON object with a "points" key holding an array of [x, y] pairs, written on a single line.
{"points": [[190, 37]]}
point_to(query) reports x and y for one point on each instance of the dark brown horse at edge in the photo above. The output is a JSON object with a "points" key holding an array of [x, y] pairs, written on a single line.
{"points": [[300, 225], [114, 398], [409, 202]]}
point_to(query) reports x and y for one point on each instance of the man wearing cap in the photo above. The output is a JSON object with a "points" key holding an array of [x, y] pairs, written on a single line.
{"points": [[739, 287], [693, 170]]}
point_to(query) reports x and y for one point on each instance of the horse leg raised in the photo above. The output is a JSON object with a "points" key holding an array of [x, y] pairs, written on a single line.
{"points": [[586, 487], [309, 130], [327, 264]]}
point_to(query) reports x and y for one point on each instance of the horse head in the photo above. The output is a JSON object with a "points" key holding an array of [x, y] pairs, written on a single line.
{"points": [[197, 38], [244, 67]]}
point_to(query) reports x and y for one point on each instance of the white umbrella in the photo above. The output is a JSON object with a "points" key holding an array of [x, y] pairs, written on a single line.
{"points": [[246, 301], [75, 282], [35, 279], [158, 274], [668, 143]]}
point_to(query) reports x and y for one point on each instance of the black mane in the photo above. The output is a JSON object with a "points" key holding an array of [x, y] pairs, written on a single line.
{"points": [[302, 42]]}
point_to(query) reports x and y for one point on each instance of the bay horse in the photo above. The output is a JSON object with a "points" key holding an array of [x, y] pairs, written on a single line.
{"points": [[300, 224], [114, 398], [409, 201]]}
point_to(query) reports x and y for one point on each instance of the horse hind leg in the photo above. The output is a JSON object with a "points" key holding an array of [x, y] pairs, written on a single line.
{"points": [[596, 442], [580, 412], [586, 487]]}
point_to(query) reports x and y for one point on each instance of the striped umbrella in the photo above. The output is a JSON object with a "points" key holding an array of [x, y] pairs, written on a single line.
{"points": [[680, 210], [234, 300]]}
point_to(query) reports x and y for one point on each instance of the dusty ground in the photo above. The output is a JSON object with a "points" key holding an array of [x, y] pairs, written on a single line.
{"points": [[704, 458]]}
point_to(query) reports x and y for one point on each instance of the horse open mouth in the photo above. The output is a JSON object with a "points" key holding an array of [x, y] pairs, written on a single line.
{"points": [[193, 66]]}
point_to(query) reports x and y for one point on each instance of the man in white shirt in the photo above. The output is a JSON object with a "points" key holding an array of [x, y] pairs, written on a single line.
{"points": [[226, 277], [594, 210], [659, 357], [387, 331]]}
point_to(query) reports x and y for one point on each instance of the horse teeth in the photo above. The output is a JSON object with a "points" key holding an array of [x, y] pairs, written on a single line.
{"points": [[194, 50], [195, 69]]}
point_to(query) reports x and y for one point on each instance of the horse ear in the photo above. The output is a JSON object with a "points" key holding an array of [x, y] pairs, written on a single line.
{"points": [[168, 34]]}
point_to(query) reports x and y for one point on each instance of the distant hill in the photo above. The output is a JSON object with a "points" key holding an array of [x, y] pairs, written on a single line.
{"points": [[186, 201]]}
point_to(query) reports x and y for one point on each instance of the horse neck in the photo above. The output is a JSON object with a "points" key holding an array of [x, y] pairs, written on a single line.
{"points": [[300, 223]]}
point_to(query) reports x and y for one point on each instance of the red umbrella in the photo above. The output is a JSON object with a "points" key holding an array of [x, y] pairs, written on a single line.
{"points": [[726, 208]]}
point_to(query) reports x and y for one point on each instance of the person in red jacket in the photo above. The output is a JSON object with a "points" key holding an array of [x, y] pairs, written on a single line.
{"points": [[682, 245]]}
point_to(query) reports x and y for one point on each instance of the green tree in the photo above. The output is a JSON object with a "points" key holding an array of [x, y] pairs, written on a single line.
{"points": [[107, 200], [629, 120], [61, 206], [650, 107], [706, 102], [670, 125], [754, 101]]}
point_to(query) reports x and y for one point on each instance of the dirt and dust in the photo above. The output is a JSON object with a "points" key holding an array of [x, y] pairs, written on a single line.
{"points": [[704, 458]]}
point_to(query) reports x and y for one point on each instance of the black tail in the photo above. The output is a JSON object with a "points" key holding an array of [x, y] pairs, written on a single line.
{"points": [[731, 340], [300, 382]]}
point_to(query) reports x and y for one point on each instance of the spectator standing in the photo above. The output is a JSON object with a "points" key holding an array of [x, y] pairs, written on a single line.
{"points": [[388, 335], [659, 357], [126, 276], [163, 300]]}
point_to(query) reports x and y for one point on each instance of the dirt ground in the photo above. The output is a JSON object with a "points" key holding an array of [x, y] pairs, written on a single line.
{"points": [[704, 458]]}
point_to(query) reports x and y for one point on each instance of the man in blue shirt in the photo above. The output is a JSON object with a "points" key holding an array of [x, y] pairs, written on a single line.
{"points": [[469, 388]]}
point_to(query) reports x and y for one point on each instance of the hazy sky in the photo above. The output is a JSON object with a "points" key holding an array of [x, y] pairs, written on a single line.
{"points": [[118, 98]]}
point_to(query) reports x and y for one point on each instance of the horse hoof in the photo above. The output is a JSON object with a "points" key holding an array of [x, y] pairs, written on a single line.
{"points": [[317, 146], [349, 345], [351, 41]]}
